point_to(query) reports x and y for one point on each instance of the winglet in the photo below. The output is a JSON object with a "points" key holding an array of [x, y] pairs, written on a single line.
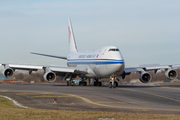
{"points": [[72, 42]]}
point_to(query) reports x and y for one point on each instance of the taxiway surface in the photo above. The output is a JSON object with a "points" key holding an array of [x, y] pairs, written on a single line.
{"points": [[125, 98]]}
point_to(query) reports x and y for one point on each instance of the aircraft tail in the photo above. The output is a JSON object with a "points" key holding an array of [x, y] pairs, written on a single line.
{"points": [[72, 42]]}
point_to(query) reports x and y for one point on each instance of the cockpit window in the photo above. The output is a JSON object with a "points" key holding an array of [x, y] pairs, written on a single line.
{"points": [[113, 49]]}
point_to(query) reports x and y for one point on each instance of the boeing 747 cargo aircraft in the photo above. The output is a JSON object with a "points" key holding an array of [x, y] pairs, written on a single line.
{"points": [[106, 62]]}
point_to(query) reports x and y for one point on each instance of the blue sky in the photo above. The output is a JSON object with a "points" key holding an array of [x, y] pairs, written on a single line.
{"points": [[146, 32]]}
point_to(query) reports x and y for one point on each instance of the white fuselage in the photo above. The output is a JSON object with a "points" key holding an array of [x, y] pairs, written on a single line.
{"points": [[101, 63]]}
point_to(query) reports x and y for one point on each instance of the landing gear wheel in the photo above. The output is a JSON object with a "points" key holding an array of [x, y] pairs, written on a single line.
{"points": [[72, 83], [99, 83], [67, 83], [110, 85], [80, 83], [114, 86], [84, 83], [95, 83]]}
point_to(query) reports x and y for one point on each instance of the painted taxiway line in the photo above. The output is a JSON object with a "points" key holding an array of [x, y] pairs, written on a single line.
{"points": [[4, 91], [151, 94], [95, 103], [120, 102], [51, 96], [175, 88], [172, 88], [15, 102], [27, 93]]}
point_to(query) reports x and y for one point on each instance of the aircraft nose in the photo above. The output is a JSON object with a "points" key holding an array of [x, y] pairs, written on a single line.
{"points": [[117, 56]]}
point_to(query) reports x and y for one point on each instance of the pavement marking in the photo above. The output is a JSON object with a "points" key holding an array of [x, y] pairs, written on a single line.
{"points": [[144, 102], [121, 102], [14, 101], [26, 93], [50, 96], [172, 88], [152, 84], [110, 102], [104, 105], [152, 94], [95, 103], [176, 88], [132, 102], [4, 91]]}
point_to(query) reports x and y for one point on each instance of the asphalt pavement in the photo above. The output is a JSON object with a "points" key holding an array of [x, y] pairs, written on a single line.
{"points": [[145, 98]]}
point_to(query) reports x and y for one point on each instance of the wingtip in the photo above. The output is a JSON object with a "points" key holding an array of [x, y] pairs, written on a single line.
{"points": [[33, 53]]}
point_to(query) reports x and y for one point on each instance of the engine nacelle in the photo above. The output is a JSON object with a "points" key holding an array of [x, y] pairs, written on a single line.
{"points": [[145, 77], [49, 76], [8, 72], [171, 74]]}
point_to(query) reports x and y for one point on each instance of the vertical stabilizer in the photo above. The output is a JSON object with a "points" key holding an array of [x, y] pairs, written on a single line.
{"points": [[72, 42]]}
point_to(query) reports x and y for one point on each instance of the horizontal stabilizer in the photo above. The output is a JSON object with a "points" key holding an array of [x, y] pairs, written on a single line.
{"points": [[61, 57]]}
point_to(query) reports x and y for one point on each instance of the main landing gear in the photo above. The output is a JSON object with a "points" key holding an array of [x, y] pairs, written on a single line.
{"points": [[68, 77], [83, 82], [113, 83], [97, 83], [70, 83]]}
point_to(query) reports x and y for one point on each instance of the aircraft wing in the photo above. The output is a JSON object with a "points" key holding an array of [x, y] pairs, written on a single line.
{"points": [[61, 57], [149, 68], [54, 69], [146, 77]]}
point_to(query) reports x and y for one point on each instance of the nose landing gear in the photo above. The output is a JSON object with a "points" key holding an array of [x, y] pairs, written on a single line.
{"points": [[113, 83]]}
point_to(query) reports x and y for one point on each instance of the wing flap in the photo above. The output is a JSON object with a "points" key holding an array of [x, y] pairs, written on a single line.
{"points": [[133, 69], [62, 69], [157, 67], [23, 66], [70, 70]]}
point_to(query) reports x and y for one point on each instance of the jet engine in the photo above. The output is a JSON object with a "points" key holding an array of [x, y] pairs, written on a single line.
{"points": [[8, 72], [171, 74], [49, 76], [145, 77]]}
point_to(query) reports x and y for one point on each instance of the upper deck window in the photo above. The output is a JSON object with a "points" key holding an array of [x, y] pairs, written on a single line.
{"points": [[113, 49]]}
